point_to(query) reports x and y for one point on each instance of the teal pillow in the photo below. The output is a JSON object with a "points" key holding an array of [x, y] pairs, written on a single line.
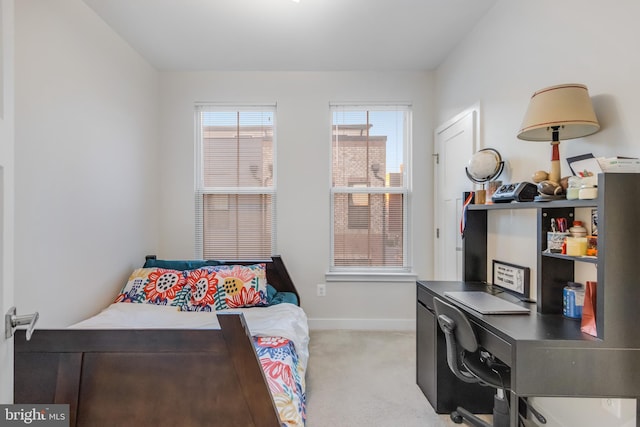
{"points": [[274, 297], [281, 297], [271, 292], [179, 265]]}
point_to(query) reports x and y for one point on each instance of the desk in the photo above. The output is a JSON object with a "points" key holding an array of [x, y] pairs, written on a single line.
{"points": [[547, 353]]}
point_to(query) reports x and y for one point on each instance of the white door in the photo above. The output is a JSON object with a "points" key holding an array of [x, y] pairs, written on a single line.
{"points": [[6, 193], [455, 141]]}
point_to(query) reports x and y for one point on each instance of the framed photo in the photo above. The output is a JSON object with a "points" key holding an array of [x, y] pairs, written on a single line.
{"points": [[511, 277], [584, 165]]}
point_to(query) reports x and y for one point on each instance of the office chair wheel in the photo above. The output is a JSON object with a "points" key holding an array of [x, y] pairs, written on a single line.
{"points": [[456, 417]]}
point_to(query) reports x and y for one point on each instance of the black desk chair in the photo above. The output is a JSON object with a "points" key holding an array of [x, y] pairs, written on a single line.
{"points": [[472, 364]]}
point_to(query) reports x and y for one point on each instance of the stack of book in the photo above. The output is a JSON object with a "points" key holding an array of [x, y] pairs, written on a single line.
{"points": [[619, 164]]}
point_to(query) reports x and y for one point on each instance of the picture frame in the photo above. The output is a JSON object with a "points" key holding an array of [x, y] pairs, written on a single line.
{"points": [[584, 165], [510, 277]]}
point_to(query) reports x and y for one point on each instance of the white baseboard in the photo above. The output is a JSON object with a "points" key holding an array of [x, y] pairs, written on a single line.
{"points": [[364, 324]]}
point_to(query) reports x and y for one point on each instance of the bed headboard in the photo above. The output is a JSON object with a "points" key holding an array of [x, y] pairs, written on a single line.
{"points": [[277, 274]]}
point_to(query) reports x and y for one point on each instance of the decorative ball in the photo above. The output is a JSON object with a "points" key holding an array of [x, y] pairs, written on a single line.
{"points": [[549, 188], [540, 176]]}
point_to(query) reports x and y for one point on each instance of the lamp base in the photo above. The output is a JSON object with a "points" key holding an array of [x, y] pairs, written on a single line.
{"points": [[554, 173]]}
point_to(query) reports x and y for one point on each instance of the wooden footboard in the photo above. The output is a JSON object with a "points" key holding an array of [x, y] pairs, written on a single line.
{"points": [[147, 377]]}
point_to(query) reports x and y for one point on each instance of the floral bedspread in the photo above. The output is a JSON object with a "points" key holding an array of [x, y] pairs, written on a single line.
{"points": [[285, 375]]}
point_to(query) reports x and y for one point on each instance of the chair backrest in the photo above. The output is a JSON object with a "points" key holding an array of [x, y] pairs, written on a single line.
{"points": [[463, 331], [460, 338]]}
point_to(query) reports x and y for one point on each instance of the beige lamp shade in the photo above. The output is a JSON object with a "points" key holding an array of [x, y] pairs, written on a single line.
{"points": [[566, 107]]}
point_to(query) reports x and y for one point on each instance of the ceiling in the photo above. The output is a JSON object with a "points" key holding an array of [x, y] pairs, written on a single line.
{"points": [[284, 35]]}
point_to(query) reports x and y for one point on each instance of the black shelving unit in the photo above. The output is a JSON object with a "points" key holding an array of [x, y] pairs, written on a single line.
{"points": [[617, 262], [548, 353]]}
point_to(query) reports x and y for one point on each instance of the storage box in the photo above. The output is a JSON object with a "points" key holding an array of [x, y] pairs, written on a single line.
{"points": [[555, 239]]}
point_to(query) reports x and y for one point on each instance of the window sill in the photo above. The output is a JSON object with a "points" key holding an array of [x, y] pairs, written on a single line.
{"points": [[366, 276]]}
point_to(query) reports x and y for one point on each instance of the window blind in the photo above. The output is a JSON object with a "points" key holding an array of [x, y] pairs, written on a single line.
{"points": [[235, 181], [370, 189]]}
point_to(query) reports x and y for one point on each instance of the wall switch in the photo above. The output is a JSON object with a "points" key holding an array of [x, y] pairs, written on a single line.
{"points": [[322, 290], [613, 406]]}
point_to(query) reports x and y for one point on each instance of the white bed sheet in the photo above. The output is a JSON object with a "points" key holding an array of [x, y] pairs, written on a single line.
{"points": [[280, 320]]}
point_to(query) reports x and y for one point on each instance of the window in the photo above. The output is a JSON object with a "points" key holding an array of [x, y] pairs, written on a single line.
{"points": [[235, 182], [370, 188]]}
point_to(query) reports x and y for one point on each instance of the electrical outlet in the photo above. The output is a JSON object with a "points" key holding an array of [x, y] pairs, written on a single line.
{"points": [[322, 290], [613, 406]]}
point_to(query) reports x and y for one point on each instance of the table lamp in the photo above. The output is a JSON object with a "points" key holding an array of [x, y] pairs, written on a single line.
{"points": [[563, 111]]}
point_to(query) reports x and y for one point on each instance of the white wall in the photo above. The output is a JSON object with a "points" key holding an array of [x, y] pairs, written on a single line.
{"points": [[86, 161], [520, 47], [303, 161]]}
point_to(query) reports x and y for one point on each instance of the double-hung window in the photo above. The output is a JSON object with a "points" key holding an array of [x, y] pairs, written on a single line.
{"points": [[235, 181], [370, 188]]}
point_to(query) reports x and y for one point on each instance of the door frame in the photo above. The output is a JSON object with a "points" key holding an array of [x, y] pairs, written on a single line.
{"points": [[7, 189], [438, 241]]}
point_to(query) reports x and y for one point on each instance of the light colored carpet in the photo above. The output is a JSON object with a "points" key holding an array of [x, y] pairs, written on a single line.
{"points": [[366, 379]]}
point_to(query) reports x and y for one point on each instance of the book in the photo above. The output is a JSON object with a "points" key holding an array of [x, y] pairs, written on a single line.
{"points": [[619, 164]]}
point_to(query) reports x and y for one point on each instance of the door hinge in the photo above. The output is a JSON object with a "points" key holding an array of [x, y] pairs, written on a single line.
{"points": [[437, 233], [437, 157]]}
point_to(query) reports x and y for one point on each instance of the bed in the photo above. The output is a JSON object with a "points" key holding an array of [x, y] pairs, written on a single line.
{"points": [[177, 360]]}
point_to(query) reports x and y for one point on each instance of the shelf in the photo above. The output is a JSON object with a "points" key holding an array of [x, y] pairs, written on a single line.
{"points": [[592, 260], [616, 266], [536, 205]]}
